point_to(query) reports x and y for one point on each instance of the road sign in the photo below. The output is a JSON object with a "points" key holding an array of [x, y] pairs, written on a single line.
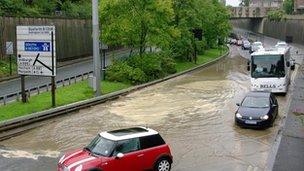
{"points": [[37, 46], [36, 52], [9, 48]]}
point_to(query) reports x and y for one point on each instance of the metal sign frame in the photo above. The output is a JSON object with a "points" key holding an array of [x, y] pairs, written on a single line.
{"points": [[36, 50], [9, 48]]}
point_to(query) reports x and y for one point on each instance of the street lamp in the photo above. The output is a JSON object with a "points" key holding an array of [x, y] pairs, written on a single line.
{"points": [[96, 53]]}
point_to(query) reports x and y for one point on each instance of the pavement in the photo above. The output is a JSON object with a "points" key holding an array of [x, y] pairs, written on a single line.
{"points": [[290, 154], [66, 70]]}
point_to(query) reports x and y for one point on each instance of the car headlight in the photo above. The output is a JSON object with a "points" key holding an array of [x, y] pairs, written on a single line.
{"points": [[265, 117], [79, 168], [239, 116], [66, 168]]}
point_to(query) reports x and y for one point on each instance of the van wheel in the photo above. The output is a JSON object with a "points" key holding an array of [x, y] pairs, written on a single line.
{"points": [[163, 164]]}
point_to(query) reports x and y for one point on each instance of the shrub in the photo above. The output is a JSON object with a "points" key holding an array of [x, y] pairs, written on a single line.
{"points": [[167, 63], [138, 69], [276, 15], [201, 46], [182, 48], [137, 76], [149, 64], [119, 71]]}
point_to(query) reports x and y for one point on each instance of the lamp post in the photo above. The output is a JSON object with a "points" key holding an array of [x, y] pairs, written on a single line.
{"points": [[96, 53]]}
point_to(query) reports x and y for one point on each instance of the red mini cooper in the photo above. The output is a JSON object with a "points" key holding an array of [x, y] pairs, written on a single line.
{"points": [[132, 149]]}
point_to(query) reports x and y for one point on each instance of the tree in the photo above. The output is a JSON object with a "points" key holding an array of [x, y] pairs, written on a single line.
{"points": [[137, 23], [245, 3], [288, 6]]}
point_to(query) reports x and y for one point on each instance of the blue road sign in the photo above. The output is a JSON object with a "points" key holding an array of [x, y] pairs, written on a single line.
{"points": [[37, 46]]}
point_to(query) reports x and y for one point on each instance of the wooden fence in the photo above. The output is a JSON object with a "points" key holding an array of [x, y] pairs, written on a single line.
{"points": [[73, 36]]}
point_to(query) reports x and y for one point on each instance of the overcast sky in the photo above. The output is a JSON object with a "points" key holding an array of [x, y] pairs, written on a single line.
{"points": [[233, 2]]}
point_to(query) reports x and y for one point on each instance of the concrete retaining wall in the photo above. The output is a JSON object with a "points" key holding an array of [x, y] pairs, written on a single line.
{"points": [[73, 36], [292, 27]]}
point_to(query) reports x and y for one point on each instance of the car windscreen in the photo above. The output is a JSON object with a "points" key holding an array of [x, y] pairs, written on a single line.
{"points": [[266, 66], [256, 102], [101, 146]]}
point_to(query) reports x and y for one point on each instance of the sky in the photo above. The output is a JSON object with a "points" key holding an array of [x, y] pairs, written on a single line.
{"points": [[233, 2]]}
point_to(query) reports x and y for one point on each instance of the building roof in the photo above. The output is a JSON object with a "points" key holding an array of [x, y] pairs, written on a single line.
{"points": [[128, 133]]}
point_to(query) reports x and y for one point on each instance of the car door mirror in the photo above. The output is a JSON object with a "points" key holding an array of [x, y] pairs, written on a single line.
{"points": [[288, 64], [238, 104], [119, 156]]}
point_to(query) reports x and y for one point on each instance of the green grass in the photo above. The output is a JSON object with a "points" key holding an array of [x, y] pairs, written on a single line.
{"points": [[5, 68], [64, 95], [201, 59]]}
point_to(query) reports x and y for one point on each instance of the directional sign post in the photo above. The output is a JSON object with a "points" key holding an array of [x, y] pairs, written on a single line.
{"points": [[36, 53]]}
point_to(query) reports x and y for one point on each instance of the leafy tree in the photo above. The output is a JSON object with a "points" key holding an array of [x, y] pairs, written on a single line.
{"points": [[276, 15], [245, 3], [137, 23], [288, 6], [41, 8]]}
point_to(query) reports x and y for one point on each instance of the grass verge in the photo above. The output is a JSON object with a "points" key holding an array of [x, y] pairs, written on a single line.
{"points": [[64, 95], [201, 59], [81, 91], [5, 68]]}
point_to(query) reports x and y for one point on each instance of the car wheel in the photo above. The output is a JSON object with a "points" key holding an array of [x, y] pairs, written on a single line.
{"points": [[163, 165]]}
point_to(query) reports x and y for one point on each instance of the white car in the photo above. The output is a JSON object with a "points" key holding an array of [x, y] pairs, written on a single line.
{"points": [[282, 45], [256, 46]]}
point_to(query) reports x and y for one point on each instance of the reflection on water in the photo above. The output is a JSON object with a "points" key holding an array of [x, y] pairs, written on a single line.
{"points": [[194, 113]]}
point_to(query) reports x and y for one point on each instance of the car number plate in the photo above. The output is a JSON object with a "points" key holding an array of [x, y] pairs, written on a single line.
{"points": [[251, 122]]}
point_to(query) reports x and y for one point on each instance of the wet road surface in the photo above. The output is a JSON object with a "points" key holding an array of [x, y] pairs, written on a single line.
{"points": [[194, 113]]}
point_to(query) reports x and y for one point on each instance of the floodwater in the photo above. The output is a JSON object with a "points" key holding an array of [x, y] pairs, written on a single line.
{"points": [[194, 113]]}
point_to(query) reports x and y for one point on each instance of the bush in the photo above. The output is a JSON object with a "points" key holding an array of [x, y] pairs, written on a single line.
{"points": [[138, 69], [276, 15], [121, 72], [182, 47], [168, 63], [201, 47]]}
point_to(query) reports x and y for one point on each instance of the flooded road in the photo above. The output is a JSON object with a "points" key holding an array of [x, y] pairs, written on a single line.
{"points": [[194, 113]]}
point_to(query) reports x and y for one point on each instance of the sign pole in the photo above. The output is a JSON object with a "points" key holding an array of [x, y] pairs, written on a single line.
{"points": [[23, 89], [10, 60], [53, 75], [103, 64]]}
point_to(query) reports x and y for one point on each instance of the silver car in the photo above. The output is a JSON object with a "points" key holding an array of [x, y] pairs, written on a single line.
{"points": [[256, 46]]}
